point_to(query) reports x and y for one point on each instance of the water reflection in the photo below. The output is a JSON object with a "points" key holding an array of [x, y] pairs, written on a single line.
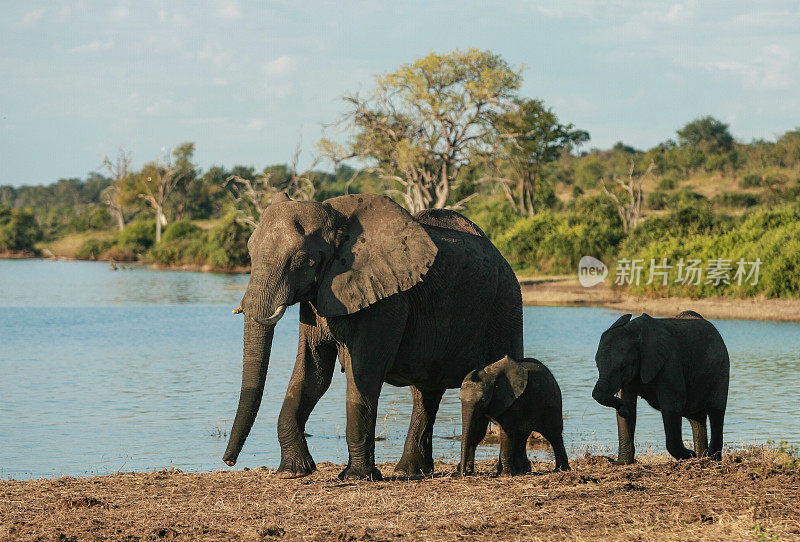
{"points": [[132, 370]]}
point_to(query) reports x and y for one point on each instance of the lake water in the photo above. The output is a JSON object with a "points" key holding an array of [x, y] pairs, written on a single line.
{"points": [[134, 369]]}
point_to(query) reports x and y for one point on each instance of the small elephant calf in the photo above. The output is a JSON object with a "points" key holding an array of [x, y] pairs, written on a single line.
{"points": [[520, 398]]}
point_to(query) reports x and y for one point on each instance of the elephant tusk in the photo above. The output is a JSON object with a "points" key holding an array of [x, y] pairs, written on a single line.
{"points": [[277, 315], [237, 310]]}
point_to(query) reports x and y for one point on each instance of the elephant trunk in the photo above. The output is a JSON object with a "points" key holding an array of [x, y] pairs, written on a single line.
{"points": [[604, 393], [473, 429], [257, 345]]}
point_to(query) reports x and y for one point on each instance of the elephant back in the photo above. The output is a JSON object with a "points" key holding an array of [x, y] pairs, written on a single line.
{"points": [[445, 218]]}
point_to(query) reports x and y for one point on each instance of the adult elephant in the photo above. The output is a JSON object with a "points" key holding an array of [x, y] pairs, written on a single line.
{"points": [[410, 301]]}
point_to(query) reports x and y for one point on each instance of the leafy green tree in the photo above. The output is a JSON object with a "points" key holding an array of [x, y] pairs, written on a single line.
{"points": [[18, 229], [706, 134], [531, 136], [425, 122]]}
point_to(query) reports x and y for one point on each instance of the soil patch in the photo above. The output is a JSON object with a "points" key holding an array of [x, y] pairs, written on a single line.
{"points": [[751, 494]]}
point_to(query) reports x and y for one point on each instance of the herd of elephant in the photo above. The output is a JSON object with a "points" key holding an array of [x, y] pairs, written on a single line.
{"points": [[427, 301]]}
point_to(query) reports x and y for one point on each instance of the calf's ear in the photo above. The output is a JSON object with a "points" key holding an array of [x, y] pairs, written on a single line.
{"points": [[509, 380]]}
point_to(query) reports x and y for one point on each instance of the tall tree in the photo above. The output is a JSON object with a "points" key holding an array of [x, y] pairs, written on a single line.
{"points": [[426, 121], [706, 134], [530, 136], [627, 198], [119, 170], [254, 193], [155, 185]]}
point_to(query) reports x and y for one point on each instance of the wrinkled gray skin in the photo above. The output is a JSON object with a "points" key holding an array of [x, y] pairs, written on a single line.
{"points": [[410, 301], [520, 398], [678, 365]]}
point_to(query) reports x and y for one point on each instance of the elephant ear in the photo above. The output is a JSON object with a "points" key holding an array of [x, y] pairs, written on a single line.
{"points": [[621, 321], [658, 351], [510, 380], [380, 251]]}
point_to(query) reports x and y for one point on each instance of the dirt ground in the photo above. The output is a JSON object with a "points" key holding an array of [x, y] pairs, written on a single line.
{"points": [[751, 495], [567, 291]]}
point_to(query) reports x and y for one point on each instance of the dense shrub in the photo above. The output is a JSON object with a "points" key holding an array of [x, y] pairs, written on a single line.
{"points": [[18, 229], [554, 243], [735, 199], [93, 248], [668, 181], [493, 215], [179, 229], [751, 180], [138, 236], [687, 218], [224, 246], [772, 236]]}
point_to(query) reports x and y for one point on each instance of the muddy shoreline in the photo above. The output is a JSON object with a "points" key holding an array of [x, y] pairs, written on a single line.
{"points": [[751, 494], [566, 291]]}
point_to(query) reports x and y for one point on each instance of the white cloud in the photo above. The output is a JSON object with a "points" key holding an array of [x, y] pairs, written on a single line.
{"points": [[679, 12], [31, 18], [230, 10], [771, 69], [279, 67], [255, 124], [119, 14], [556, 13], [95, 46]]}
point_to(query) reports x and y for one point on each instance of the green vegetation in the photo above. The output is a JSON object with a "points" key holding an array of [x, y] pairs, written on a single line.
{"points": [[452, 130], [19, 230]]}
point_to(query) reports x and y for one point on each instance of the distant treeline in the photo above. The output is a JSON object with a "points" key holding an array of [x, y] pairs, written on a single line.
{"points": [[507, 162]]}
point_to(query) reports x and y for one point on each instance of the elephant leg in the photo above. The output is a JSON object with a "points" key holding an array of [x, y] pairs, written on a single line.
{"points": [[556, 440], [507, 453], [311, 378], [521, 462], [700, 436], [626, 428], [369, 353], [672, 430], [418, 451], [717, 419]]}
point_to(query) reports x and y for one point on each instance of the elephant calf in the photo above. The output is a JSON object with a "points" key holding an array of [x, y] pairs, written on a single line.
{"points": [[519, 398], [679, 365]]}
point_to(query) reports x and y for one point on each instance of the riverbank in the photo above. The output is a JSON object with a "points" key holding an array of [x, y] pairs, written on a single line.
{"points": [[566, 291], [559, 291], [750, 494]]}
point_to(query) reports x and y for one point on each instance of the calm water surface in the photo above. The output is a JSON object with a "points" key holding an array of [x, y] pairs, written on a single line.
{"points": [[104, 371]]}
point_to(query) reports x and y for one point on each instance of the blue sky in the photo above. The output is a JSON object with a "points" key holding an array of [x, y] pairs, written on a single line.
{"points": [[246, 80]]}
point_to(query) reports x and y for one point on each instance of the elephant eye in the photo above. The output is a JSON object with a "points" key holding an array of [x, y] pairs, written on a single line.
{"points": [[303, 259]]}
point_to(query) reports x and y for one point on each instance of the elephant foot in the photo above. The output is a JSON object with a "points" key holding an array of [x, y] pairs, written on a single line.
{"points": [[469, 469], [296, 466], [413, 466], [354, 472], [682, 453], [561, 467], [623, 461]]}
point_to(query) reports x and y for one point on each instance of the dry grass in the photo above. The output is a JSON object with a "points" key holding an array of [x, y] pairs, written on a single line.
{"points": [[69, 245], [751, 494], [567, 291]]}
